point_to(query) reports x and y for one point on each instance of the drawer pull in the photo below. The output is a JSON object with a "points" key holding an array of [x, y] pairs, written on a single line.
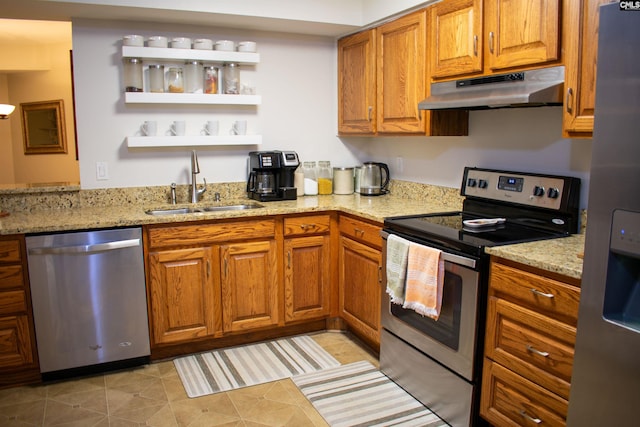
{"points": [[531, 349], [530, 418], [288, 259], [306, 226], [358, 231], [542, 294]]}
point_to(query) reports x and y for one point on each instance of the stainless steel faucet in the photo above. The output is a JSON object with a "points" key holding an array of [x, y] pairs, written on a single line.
{"points": [[195, 170]]}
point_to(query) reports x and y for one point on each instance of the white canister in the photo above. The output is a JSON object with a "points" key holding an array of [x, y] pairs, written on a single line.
{"points": [[343, 180]]}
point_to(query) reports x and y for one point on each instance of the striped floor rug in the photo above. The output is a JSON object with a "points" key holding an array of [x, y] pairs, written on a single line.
{"points": [[231, 368], [358, 394]]}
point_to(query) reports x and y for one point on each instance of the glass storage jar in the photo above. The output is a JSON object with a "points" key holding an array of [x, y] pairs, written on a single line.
{"points": [[175, 80], [231, 78], [210, 79], [325, 179], [298, 181], [156, 78], [310, 178], [132, 69], [193, 77]]}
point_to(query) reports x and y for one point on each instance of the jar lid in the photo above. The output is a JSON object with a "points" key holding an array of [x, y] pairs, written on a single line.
{"points": [[133, 60], [231, 64], [156, 66], [192, 63], [210, 67], [173, 69], [342, 168]]}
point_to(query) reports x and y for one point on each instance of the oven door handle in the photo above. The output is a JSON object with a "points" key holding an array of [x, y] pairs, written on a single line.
{"points": [[446, 256]]}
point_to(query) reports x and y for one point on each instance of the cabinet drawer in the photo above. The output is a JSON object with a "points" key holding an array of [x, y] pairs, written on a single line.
{"points": [[508, 399], [15, 342], [12, 302], [360, 230], [198, 234], [539, 293], [310, 224], [535, 346], [11, 277], [9, 251]]}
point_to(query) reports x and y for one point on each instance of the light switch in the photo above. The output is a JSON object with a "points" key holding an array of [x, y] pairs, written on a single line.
{"points": [[102, 171]]}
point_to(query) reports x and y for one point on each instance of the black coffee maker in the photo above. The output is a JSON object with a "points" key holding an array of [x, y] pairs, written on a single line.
{"points": [[271, 175]]}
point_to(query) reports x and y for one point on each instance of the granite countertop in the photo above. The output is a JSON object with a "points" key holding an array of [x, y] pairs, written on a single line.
{"points": [[557, 255], [563, 255]]}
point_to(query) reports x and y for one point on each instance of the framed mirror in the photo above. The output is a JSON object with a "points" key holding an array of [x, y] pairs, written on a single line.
{"points": [[43, 127]]}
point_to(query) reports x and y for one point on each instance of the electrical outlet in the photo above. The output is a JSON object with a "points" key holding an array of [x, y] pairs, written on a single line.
{"points": [[102, 171], [399, 164]]}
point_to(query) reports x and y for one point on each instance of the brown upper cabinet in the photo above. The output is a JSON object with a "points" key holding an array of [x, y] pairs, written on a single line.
{"points": [[382, 76], [581, 51], [470, 37]]}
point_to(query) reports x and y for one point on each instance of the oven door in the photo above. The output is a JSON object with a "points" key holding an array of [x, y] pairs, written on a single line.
{"points": [[451, 340]]}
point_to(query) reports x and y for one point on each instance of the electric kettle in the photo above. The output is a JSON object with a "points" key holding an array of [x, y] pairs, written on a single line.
{"points": [[372, 179]]}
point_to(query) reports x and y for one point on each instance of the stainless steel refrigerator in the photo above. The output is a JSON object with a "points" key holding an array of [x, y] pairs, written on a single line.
{"points": [[605, 387]]}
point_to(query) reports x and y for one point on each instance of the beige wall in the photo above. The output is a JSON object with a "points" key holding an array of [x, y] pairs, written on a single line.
{"points": [[6, 149], [35, 86]]}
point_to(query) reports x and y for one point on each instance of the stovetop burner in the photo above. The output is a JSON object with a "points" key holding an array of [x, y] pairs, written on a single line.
{"points": [[533, 206]]}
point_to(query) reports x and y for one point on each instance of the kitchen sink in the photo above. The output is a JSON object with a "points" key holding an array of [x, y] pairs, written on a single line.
{"points": [[214, 208]]}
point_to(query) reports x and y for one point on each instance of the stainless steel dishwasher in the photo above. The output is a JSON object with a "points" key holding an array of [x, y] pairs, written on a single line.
{"points": [[89, 299]]}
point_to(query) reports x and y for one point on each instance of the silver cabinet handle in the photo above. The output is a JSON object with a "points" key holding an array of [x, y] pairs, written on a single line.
{"points": [[475, 45], [542, 294], [530, 418], [288, 259], [531, 349], [568, 102], [370, 112], [491, 41], [85, 249]]}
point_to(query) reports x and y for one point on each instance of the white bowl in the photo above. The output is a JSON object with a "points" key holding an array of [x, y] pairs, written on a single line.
{"points": [[181, 43], [247, 46], [133, 40], [157, 41], [226, 45], [205, 44]]}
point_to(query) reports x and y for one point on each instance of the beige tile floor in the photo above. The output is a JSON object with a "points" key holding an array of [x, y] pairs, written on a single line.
{"points": [[153, 395]]}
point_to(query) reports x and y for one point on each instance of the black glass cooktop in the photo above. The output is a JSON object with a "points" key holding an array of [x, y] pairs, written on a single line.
{"points": [[448, 229]]}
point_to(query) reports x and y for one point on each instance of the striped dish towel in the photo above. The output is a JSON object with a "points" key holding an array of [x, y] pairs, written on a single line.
{"points": [[425, 278], [397, 253]]}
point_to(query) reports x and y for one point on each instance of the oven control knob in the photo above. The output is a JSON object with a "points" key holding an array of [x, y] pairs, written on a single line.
{"points": [[538, 191], [471, 182], [553, 193], [483, 183]]}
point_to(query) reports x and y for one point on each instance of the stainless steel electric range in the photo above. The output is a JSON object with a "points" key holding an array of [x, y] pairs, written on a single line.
{"points": [[439, 362]]}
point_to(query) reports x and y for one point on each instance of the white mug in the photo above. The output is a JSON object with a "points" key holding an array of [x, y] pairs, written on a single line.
{"points": [[178, 127], [239, 127], [210, 128], [149, 128]]}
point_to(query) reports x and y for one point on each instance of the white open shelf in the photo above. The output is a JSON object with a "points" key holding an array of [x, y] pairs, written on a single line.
{"points": [[192, 141], [161, 53], [191, 98]]}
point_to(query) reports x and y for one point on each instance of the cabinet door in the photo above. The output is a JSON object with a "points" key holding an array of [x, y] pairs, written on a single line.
{"points": [[357, 83], [581, 51], [249, 285], [522, 33], [306, 277], [360, 269], [455, 37], [182, 295], [15, 342], [401, 65]]}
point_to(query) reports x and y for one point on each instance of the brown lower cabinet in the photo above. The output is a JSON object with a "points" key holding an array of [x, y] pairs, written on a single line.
{"points": [[18, 356], [360, 269], [529, 344]]}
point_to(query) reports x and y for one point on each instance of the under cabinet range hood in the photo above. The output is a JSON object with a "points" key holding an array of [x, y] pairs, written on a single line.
{"points": [[532, 88]]}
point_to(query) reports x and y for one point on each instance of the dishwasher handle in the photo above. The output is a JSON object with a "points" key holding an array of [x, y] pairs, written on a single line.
{"points": [[85, 249]]}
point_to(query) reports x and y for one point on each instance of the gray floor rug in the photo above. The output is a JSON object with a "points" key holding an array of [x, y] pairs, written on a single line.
{"points": [[358, 394], [231, 368]]}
